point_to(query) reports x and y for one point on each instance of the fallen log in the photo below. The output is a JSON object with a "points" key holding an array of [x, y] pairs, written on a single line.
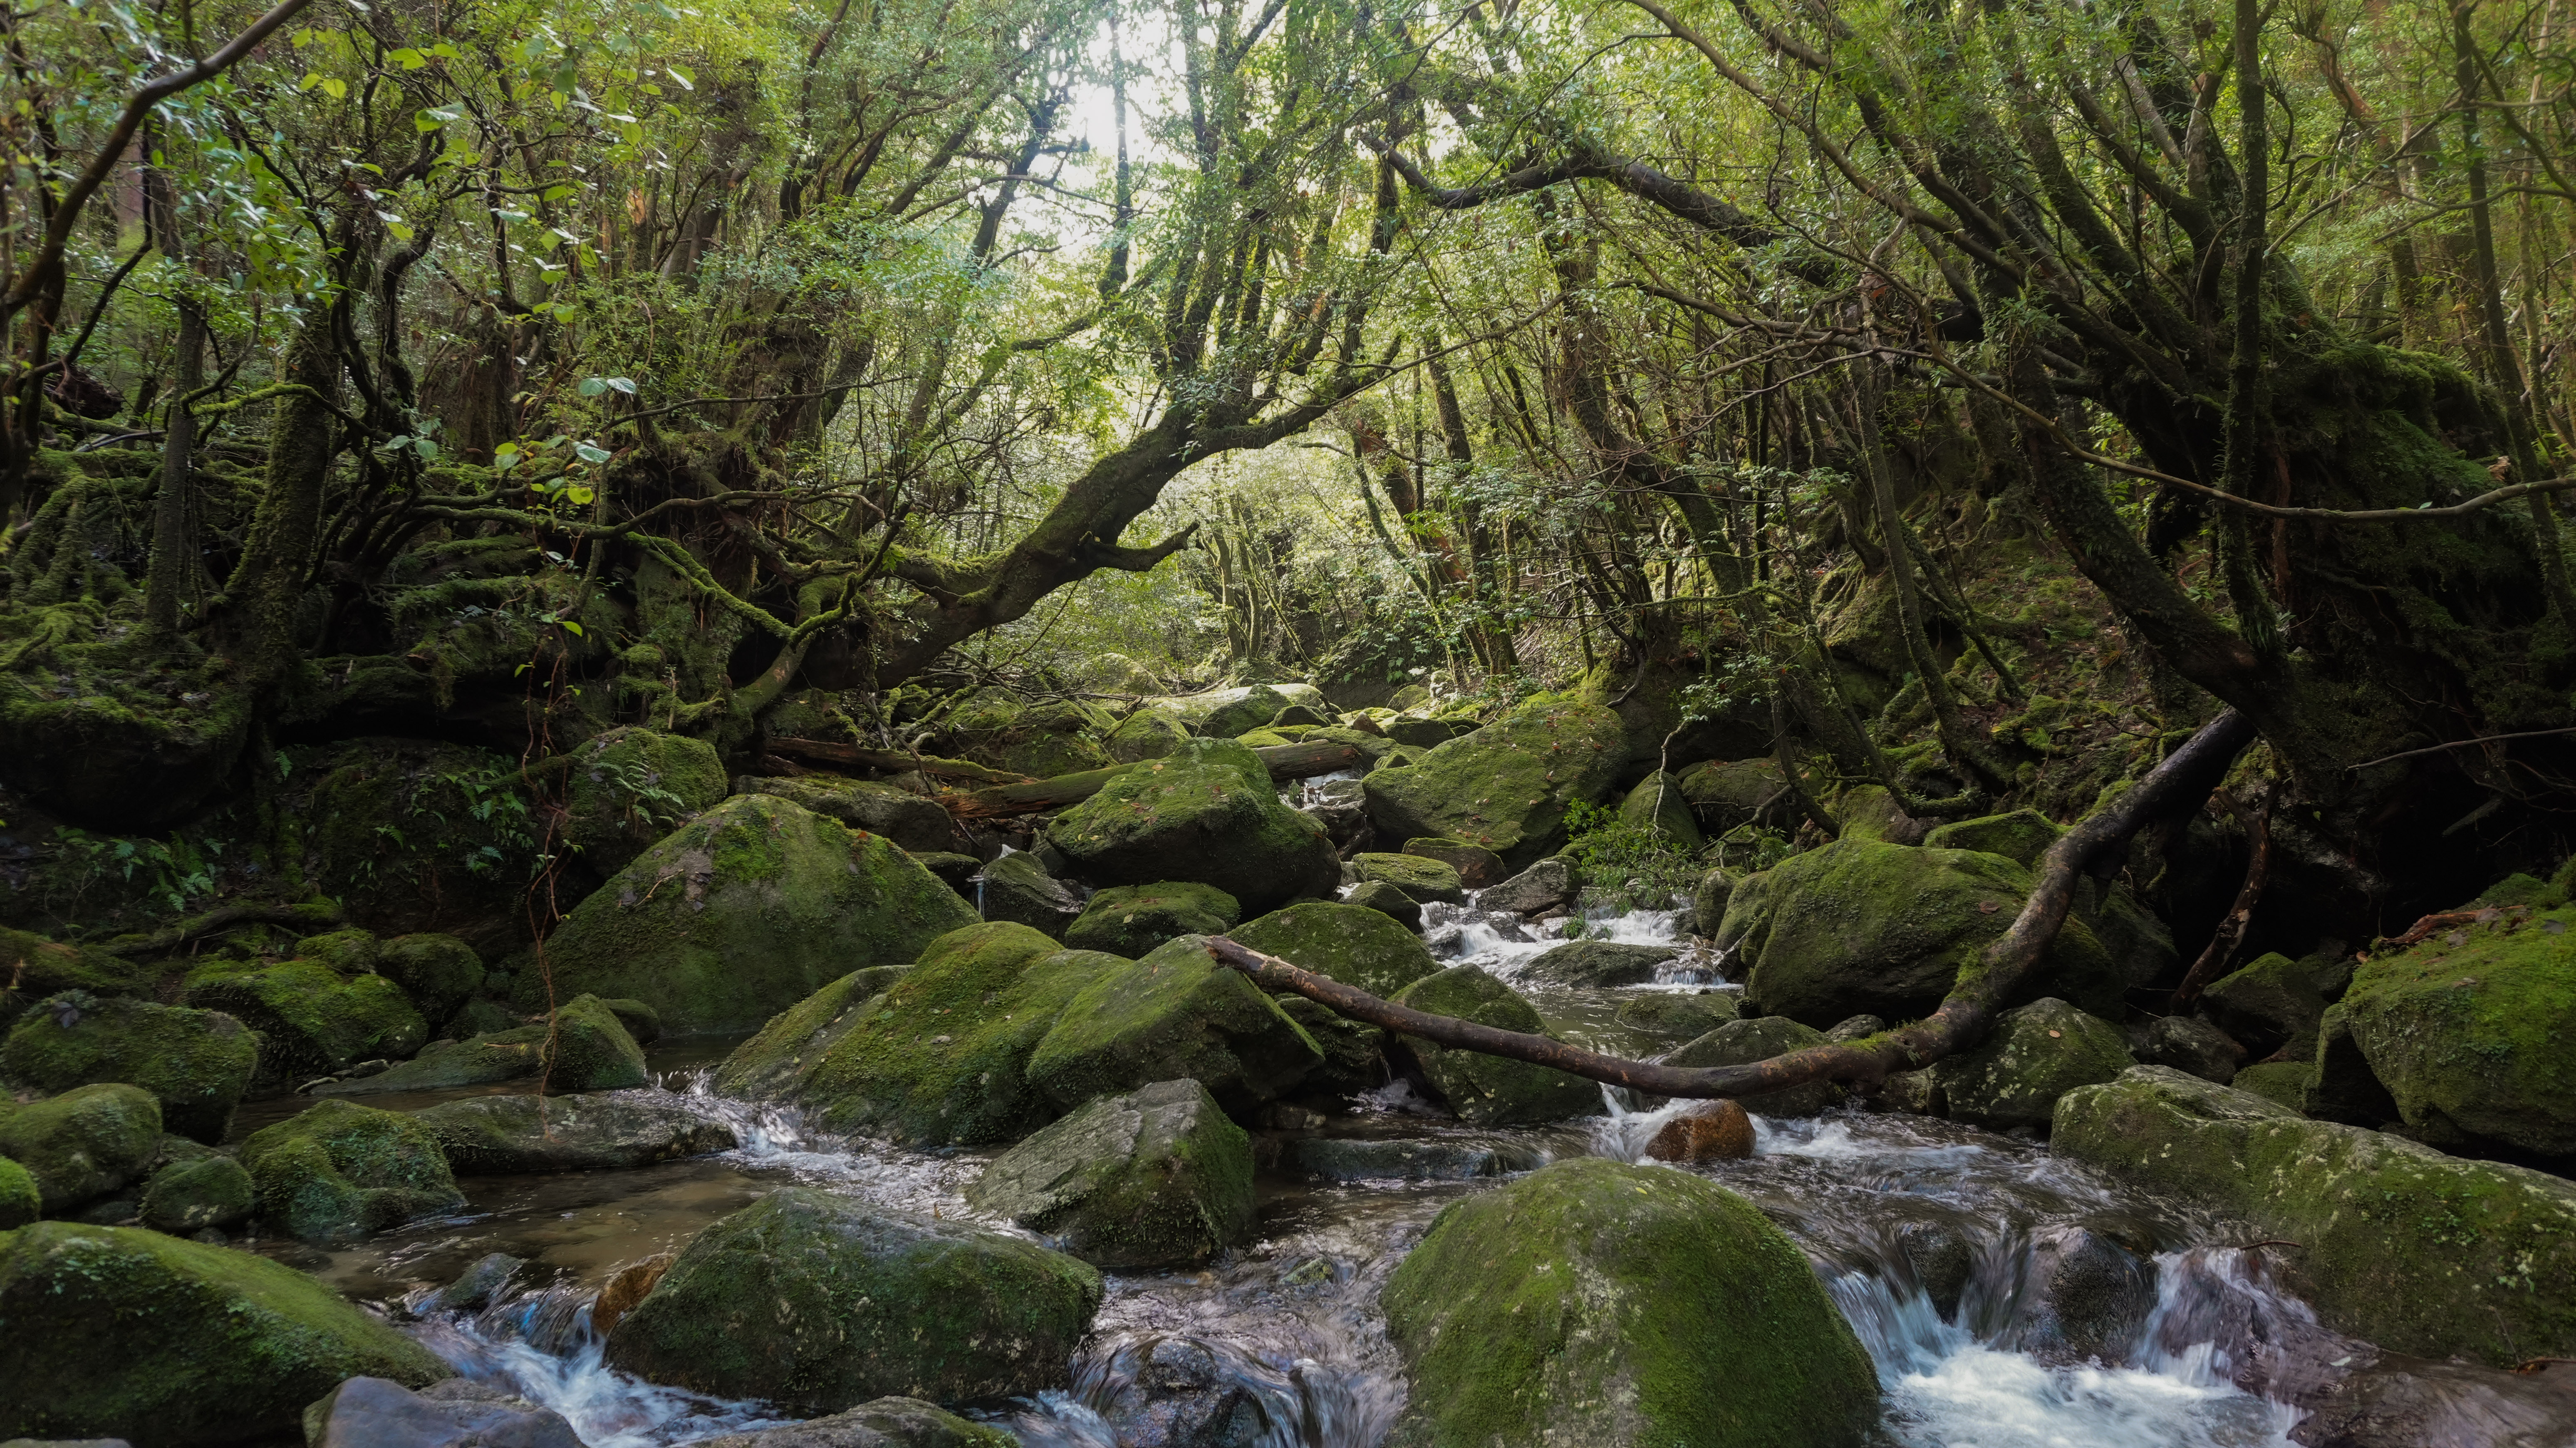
{"points": [[1284, 761], [2175, 787], [313, 915], [888, 761]]}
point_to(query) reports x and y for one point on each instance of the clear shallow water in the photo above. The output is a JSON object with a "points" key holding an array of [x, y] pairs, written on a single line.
{"points": [[1935, 1240]]}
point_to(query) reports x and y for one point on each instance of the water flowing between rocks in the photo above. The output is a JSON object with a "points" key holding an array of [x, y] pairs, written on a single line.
{"points": [[2009, 1299]]}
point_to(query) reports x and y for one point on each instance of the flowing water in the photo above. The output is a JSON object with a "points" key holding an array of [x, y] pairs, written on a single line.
{"points": [[2009, 1299]]}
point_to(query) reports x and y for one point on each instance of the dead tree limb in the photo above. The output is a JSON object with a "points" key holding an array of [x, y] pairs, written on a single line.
{"points": [[2239, 917], [2177, 786]]}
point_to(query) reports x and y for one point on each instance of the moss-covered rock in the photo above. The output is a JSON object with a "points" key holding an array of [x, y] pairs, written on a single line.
{"points": [[1547, 885], [1477, 866], [2033, 1056], [1155, 1178], [1386, 900], [1599, 963], [1422, 880], [340, 1171], [1147, 734], [186, 1197], [1351, 943], [83, 1144], [940, 1056], [498, 1135], [1759, 1038], [311, 1019], [2470, 1032], [1131, 920], [630, 786], [439, 972], [1658, 805], [1506, 786], [913, 821], [2274, 1004], [33, 967], [744, 911], [1708, 901], [118, 1331], [2019, 836], [1861, 927], [819, 1302], [1016, 888], [640, 1020], [197, 1064], [2413, 1250], [1354, 1051], [1207, 813], [350, 952], [586, 1047], [2283, 1083], [412, 835], [21, 1200], [1225, 713], [1730, 795], [1489, 1090], [1674, 1017], [1174, 1013], [1593, 1302]]}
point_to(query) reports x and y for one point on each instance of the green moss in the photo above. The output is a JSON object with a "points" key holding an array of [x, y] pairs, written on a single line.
{"points": [[83, 1144], [21, 1200], [1596, 1302], [1131, 920], [350, 952], [2033, 1056], [1351, 943], [32, 968], [1155, 1178], [1174, 1013], [340, 1171], [2020, 836], [2283, 1083], [631, 786], [1489, 1090], [1505, 787], [1207, 813], [1421, 879], [1147, 734], [2413, 1250], [586, 1047], [310, 1017], [197, 1064], [745, 910], [438, 972], [777, 1061], [1658, 804], [235, 1345], [189, 1196], [818, 1302], [1759, 1038]]}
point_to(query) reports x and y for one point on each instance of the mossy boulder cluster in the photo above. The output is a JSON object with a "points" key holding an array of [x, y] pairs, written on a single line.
{"points": [[83, 1144], [312, 1018], [1352, 943], [196, 1064], [1156, 1178], [585, 1046], [1504, 787], [340, 1171], [1489, 1090], [1131, 920], [1206, 813]]}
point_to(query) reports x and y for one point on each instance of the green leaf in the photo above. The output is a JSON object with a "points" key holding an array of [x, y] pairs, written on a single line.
{"points": [[681, 74], [592, 386], [590, 454], [621, 384]]}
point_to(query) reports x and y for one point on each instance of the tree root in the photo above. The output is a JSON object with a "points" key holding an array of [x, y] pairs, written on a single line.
{"points": [[314, 914], [2177, 786]]}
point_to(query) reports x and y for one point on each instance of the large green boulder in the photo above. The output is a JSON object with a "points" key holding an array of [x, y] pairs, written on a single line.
{"points": [[1598, 1303], [83, 1144], [311, 1020], [744, 911], [2397, 1243], [1657, 805], [1730, 795], [127, 1333], [32, 968], [586, 1047], [1147, 734], [1225, 713], [1016, 887], [1156, 1178], [439, 972], [630, 786], [1477, 866], [1174, 1013], [187, 1197], [1353, 944], [941, 1056], [2470, 1033], [2020, 836], [497, 1135], [915, 822], [2033, 1056], [2275, 1005], [21, 1199], [1506, 786], [1131, 920], [1489, 1090], [1674, 1017], [1599, 963], [1208, 813], [197, 1064], [819, 1302], [1759, 1038], [1861, 927], [1422, 880], [341, 1171]]}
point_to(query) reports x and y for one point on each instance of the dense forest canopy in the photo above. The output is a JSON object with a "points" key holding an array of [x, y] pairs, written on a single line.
{"points": [[1969, 400]]}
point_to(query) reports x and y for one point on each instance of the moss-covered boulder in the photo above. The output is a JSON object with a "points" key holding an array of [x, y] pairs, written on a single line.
{"points": [[21, 1199], [1600, 963], [2033, 1056], [913, 821], [197, 1064], [1506, 786], [187, 1197], [33, 968], [341, 1171], [1174, 1013], [1131, 920], [310, 1019], [2470, 1033], [1658, 806], [940, 1056], [1225, 713], [1207, 813], [1352, 943], [1759, 1038], [2019, 836], [1544, 886], [2414, 1250], [438, 972], [2283, 1083], [630, 786], [1489, 1090], [1861, 927], [1017, 888], [1674, 1016], [1386, 900], [502, 1135], [1594, 1302], [1422, 880], [1354, 1051], [1147, 734], [744, 911], [586, 1047], [2275, 1004], [414, 835], [127, 1333], [820, 1302], [1477, 866], [83, 1144], [1156, 1178], [1728, 795], [1708, 901]]}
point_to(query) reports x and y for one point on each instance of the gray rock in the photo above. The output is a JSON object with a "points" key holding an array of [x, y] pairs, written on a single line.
{"points": [[1433, 1159], [1740, 1043], [885, 1423], [1856, 1028], [1179, 1393], [1489, 1090], [2188, 1043], [1600, 963], [2085, 1296], [1544, 886], [1386, 900], [1016, 888], [1708, 901], [1155, 1178], [1677, 1017], [475, 1287], [499, 1135], [379, 1413], [2399, 1402]]}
